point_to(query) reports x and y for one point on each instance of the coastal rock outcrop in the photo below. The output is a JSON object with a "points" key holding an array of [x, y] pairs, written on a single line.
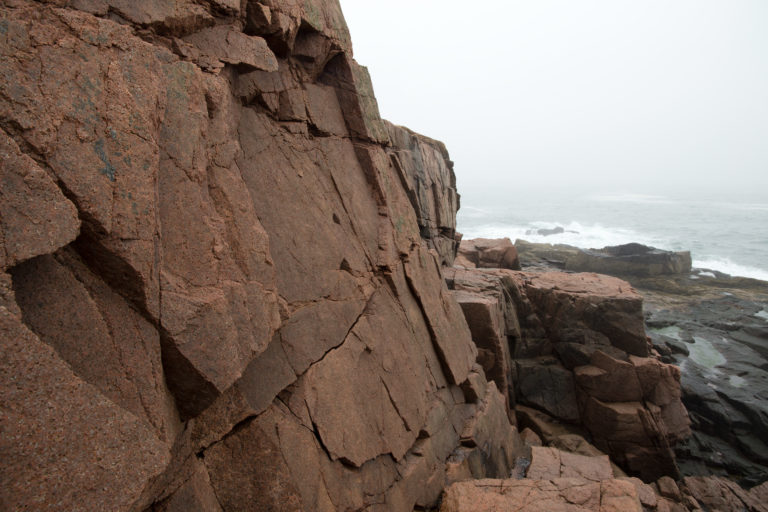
{"points": [[488, 253], [626, 260], [221, 284], [576, 350]]}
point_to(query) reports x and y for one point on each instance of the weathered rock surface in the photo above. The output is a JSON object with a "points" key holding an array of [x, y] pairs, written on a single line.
{"points": [[574, 347], [488, 253], [714, 493], [221, 283], [65, 443], [556, 495], [427, 175], [30, 228], [221, 278]]}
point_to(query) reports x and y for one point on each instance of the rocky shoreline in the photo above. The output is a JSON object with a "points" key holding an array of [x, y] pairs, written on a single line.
{"points": [[714, 327], [226, 284]]}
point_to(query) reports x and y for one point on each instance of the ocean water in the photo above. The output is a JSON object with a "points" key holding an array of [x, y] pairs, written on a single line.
{"points": [[727, 235]]}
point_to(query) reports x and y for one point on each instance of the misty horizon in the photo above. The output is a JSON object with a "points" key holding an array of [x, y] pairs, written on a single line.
{"points": [[652, 98]]}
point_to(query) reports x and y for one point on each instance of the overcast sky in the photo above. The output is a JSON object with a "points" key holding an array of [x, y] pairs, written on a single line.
{"points": [[638, 96]]}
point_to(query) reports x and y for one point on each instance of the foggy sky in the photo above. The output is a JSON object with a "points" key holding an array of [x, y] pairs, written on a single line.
{"points": [[622, 95]]}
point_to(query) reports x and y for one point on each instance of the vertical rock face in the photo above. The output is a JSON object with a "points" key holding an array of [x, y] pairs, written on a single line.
{"points": [[427, 175], [221, 284]]}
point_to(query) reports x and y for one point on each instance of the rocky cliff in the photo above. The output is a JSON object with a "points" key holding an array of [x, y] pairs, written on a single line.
{"points": [[221, 286], [221, 281]]}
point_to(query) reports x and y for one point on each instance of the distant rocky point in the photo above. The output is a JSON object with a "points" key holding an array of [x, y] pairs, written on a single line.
{"points": [[631, 259]]}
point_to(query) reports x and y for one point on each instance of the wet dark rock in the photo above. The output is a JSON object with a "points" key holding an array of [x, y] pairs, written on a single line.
{"points": [[621, 260]]}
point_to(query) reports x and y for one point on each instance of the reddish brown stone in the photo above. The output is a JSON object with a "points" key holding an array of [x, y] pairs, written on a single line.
{"points": [[103, 340], [598, 303], [668, 488], [609, 379], [195, 495], [551, 463], [530, 437], [248, 473], [231, 46], [262, 243], [60, 444], [447, 324], [426, 172], [378, 372], [558, 495], [490, 253], [718, 493], [35, 217]]}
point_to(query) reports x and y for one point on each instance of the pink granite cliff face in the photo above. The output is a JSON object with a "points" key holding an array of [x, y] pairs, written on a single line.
{"points": [[221, 284], [222, 288]]}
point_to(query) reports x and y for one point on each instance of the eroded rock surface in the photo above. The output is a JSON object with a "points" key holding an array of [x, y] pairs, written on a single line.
{"points": [[221, 270], [555, 495], [488, 253], [221, 285], [573, 346]]}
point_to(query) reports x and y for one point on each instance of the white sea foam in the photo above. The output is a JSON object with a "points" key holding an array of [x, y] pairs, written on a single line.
{"points": [[593, 236], [762, 314], [729, 267]]}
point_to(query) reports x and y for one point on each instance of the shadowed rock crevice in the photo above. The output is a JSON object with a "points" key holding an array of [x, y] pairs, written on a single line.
{"points": [[119, 274], [191, 391]]}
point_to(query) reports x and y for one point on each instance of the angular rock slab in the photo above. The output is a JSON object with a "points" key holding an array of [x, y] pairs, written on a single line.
{"points": [[94, 330], [63, 443], [602, 304], [550, 463], [557, 495], [233, 47], [35, 217], [378, 372], [488, 253], [447, 324]]}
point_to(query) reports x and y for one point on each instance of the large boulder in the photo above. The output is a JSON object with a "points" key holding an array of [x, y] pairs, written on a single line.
{"points": [[488, 253]]}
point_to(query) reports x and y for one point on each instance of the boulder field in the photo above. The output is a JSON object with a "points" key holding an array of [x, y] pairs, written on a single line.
{"points": [[226, 284]]}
